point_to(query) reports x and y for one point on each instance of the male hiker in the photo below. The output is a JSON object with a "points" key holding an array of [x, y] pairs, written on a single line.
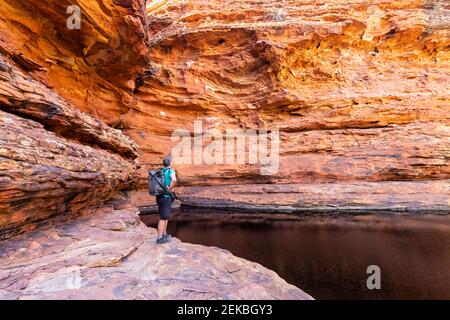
{"points": [[165, 200]]}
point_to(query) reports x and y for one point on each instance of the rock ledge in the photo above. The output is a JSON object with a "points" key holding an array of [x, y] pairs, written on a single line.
{"points": [[112, 255]]}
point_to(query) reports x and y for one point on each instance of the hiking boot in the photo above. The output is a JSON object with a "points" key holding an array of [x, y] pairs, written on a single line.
{"points": [[167, 236], [162, 240]]}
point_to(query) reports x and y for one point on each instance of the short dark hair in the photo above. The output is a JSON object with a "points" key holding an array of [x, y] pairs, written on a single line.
{"points": [[167, 161]]}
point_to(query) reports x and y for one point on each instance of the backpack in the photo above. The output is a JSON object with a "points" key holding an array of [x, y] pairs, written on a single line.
{"points": [[156, 185]]}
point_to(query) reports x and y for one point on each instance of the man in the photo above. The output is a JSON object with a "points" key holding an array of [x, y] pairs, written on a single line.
{"points": [[165, 200]]}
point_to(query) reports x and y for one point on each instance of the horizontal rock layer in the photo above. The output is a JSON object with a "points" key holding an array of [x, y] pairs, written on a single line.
{"points": [[355, 197], [24, 96], [357, 89], [55, 157], [112, 255], [416, 151], [42, 174]]}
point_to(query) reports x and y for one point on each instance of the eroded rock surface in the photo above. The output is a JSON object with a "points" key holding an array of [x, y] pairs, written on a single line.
{"points": [[358, 89], [112, 255], [93, 67], [22, 95], [54, 158], [42, 175]]}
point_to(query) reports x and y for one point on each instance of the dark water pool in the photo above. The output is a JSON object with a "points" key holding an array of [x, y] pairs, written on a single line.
{"points": [[327, 256]]}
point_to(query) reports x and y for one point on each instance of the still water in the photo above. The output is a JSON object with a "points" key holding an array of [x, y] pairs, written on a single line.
{"points": [[327, 255]]}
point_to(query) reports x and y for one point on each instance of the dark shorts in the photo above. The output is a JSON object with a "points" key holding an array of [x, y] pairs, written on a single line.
{"points": [[164, 207]]}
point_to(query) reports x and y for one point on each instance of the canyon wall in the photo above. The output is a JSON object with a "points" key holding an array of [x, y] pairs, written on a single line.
{"points": [[53, 158], [64, 163], [357, 89], [94, 67], [61, 94]]}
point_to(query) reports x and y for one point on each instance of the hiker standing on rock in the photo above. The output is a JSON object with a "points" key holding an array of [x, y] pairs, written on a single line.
{"points": [[160, 184]]}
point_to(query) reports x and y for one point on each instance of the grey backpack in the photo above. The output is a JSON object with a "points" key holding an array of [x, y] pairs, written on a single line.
{"points": [[156, 183]]}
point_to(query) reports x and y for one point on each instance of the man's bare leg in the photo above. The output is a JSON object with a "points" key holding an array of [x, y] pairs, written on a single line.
{"points": [[161, 227], [165, 227]]}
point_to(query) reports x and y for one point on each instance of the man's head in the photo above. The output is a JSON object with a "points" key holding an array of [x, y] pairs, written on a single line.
{"points": [[166, 162]]}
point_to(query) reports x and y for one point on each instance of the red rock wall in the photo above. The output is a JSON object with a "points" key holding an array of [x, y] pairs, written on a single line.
{"points": [[53, 158], [95, 67], [61, 93], [358, 89]]}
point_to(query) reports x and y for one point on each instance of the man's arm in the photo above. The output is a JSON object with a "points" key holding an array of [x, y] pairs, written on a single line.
{"points": [[173, 180]]}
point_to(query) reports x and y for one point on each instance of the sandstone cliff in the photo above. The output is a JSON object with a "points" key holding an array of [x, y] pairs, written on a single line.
{"points": [[66, 155], [60, 152], [358, 90], [93, 68]]}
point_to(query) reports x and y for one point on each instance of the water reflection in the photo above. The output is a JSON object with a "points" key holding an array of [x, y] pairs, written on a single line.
{"points": [[327, 256]]}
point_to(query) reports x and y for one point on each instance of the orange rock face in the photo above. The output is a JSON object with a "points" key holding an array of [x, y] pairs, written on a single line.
{"points": [[62, 92], [359, 90], [94, 67], [54, 159]]}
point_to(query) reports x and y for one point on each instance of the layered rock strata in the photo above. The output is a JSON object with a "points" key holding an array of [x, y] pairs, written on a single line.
{"points": [[361, 197], [59, 87], [53, 158], [359, 90], [64, 93], [93, 67]]}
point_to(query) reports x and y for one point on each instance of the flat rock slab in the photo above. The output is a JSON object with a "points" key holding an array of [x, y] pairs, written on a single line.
{"points": [[360, 196], [110, 254]]}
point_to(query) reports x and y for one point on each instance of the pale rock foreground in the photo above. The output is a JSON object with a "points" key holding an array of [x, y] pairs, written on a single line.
{"points": [[112, 255]]}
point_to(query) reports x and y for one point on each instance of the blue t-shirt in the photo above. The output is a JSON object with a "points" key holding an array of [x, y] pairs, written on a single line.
{"points": [[167, 179]]}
